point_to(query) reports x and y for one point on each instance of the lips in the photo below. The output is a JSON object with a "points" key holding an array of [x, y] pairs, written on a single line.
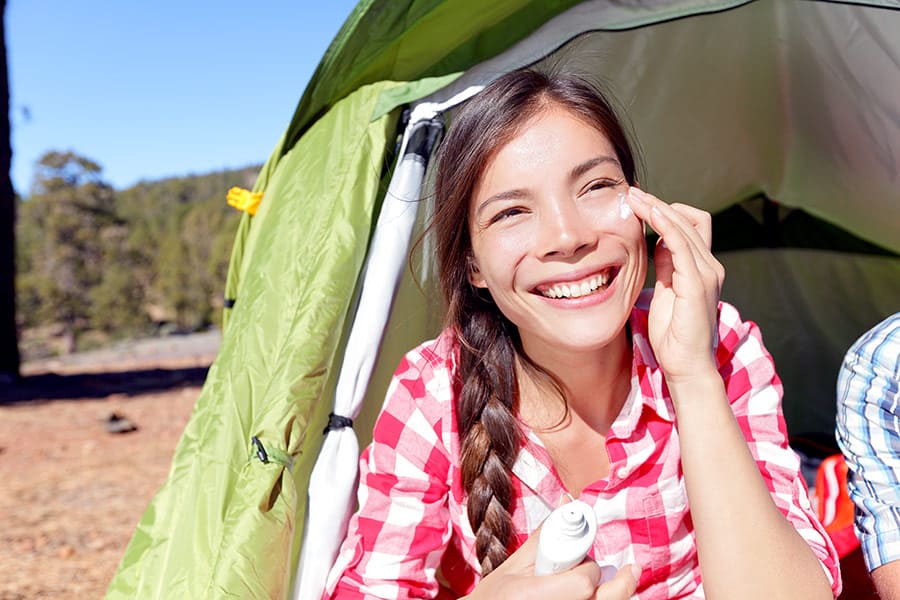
{"points": [[578, 288]]}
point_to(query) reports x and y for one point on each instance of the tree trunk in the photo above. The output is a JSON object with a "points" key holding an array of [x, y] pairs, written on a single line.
{"points": [[9, 347]]}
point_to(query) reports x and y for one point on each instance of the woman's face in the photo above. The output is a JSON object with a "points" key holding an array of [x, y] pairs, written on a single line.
{"points": [[550, 240]]}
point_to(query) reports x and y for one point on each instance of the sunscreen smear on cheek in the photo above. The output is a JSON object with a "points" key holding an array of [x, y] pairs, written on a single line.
{"points": [[625, 211]]}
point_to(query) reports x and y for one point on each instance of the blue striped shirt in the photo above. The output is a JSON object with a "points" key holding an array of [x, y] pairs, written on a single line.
{"points": [[868, 432]]}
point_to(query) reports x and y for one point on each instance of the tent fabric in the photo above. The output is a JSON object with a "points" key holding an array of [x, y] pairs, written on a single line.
{"points": [[795, 101], [408, 40], [331, 500], [223, 525]]}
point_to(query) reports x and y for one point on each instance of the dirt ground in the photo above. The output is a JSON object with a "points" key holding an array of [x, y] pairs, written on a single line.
{"points": [[72, 492]]}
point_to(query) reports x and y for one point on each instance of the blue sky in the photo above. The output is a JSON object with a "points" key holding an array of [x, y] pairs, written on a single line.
{"points": [[154, 89]]}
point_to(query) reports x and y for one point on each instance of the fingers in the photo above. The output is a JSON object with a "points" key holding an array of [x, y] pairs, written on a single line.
{"points": [[692, 222], [578, 582], [700, 220], [620, 587], [675, 223], [685, 236], [522, 560], [695, 222], [583, 580], [677, 252]]}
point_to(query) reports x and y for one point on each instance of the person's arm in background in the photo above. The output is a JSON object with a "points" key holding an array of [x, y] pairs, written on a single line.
{"points": [[887, 580], [868, 432]]}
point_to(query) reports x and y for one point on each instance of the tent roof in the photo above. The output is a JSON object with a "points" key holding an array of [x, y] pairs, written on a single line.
{"points": [[796, 101]]}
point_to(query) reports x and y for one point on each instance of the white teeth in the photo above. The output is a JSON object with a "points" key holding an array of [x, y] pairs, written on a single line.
{"points": [[577, 290]]}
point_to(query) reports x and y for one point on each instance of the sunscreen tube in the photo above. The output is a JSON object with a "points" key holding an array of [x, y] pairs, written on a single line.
{"points": [[565, 538]]}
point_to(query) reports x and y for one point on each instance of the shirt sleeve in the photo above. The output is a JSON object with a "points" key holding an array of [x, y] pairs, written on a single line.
{"points": [[868, 432], [396, 538], [755, 392]]}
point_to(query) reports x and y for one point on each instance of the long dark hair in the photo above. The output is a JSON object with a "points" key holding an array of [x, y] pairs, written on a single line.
{"points": [[489, 344]]}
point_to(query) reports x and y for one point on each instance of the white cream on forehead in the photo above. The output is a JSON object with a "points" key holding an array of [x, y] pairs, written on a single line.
{"points": [[625, 211]]}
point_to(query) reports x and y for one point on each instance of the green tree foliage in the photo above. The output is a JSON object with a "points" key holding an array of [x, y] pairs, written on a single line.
{"points": [[182, 229], [73, 211], [123, 263]]}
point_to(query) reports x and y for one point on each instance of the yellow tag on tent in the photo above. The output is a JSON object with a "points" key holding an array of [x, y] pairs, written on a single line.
{"points": [[244, 200]]}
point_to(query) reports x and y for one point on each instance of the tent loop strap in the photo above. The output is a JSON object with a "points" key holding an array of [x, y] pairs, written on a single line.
{"points": [[336, 422], [260, 450], [274, 455]]}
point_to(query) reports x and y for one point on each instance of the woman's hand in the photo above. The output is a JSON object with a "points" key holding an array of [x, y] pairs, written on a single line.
{"points": [[515, 580], [683, 320]]}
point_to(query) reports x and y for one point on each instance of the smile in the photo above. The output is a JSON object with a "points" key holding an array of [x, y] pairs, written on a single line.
{"points": [[577, 289]]}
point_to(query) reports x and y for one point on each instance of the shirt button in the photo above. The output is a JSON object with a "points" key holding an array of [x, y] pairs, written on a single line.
{"points": [[622, 472]]}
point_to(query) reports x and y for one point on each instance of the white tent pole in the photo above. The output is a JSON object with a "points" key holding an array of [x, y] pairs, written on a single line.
{"points": [[333, 482]]}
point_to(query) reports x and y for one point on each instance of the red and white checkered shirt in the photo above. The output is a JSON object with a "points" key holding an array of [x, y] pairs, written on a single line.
{"points": [[411, 535]]}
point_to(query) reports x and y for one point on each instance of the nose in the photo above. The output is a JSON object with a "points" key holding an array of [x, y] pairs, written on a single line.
{"points": [[564, 230]]}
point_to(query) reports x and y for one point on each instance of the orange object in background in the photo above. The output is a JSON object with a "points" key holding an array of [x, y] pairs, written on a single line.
{"points": [[833, 505]]}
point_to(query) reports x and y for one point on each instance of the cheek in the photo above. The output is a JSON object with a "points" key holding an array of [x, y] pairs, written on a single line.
{"points": [[499, 250], [606, 213], [608, 217]]}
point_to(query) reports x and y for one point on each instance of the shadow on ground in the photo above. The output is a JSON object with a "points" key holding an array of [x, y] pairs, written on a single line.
{"points": [[52, 386]]}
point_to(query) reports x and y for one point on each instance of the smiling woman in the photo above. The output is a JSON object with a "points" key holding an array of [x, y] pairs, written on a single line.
{"points": [[556, 243], [558, 377]]}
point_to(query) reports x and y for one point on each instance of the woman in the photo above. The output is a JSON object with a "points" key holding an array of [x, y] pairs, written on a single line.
{"points": [[557, 377]]}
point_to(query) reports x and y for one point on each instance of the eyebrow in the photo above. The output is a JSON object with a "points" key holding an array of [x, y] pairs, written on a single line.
{"points": [[589, 164], [507, 195]]}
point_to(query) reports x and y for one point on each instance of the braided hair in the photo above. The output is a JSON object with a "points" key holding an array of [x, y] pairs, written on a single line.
{"points": [[487, 402]]}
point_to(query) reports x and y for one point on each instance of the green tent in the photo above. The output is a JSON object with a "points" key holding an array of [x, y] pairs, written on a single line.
{"points": [[782, 118]]}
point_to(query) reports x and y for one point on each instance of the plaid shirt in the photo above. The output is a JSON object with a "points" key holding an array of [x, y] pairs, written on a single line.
{"points": [[868, 431], [411, 535]]}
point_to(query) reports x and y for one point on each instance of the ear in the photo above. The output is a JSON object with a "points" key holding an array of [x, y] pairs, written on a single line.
{"points": [[475, 276]]}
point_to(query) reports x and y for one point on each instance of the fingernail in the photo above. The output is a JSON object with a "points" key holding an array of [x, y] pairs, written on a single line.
{"points": [[636, 572], [625, 211], [662, 244], [636, 194]]}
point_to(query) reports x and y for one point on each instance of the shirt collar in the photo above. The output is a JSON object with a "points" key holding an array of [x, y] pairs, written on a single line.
{"points": [[645, 373]]}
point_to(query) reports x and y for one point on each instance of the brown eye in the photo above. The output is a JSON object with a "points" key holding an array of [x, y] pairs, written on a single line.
{"points": [[602, 184], [505, 214]]}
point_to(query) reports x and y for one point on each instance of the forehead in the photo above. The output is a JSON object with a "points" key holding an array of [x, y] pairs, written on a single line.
{"points": [[548, 144]]}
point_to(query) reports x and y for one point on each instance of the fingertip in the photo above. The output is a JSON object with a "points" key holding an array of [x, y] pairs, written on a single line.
{"points": [[635, 194], [636, 571], [623, 584], [592, 569], [564, 499], [658, 214], [628, 577], [635, 579]]}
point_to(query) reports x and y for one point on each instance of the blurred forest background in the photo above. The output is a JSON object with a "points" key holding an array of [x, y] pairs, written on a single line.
{"points": [[96, 265]]}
